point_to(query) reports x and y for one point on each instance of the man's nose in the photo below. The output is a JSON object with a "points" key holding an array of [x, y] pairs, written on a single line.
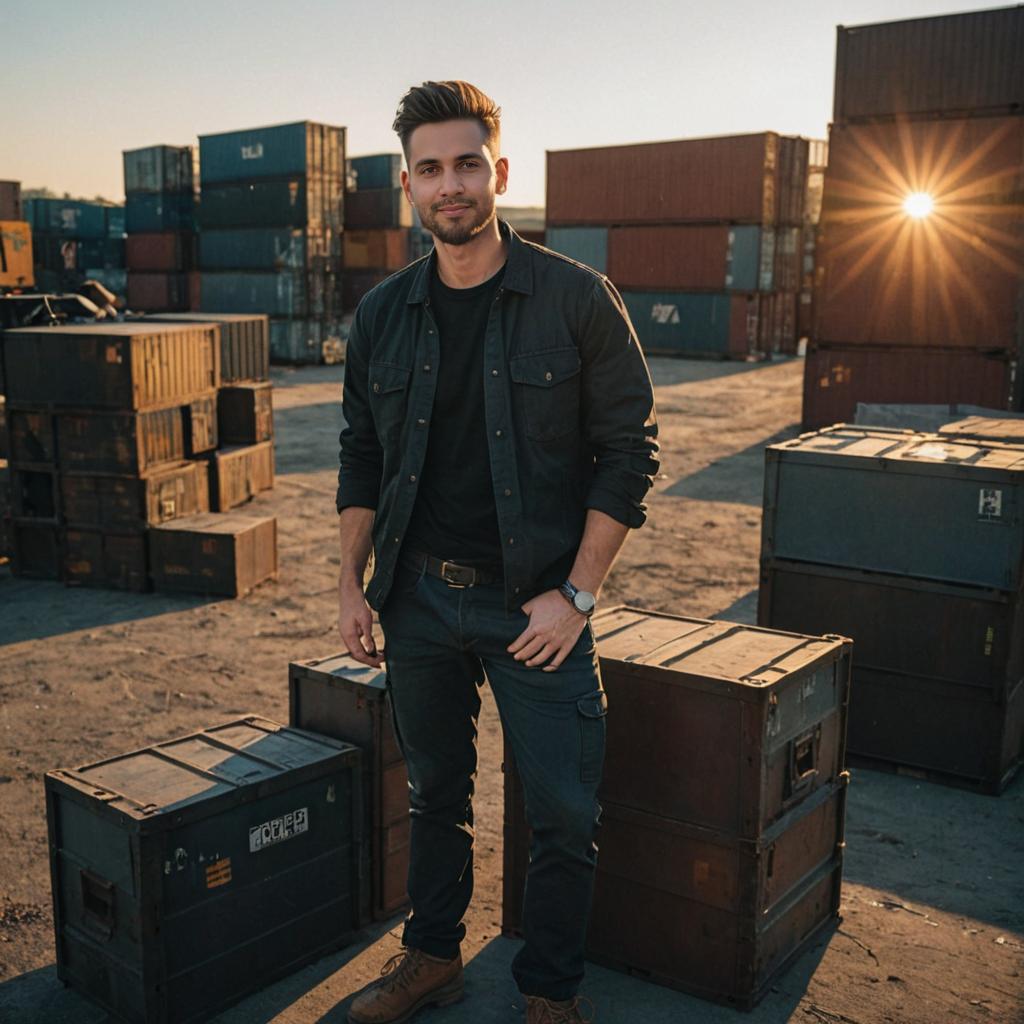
{"points": [[451, 182]]}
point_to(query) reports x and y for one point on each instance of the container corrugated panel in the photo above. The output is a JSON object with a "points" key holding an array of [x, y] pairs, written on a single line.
{"points": [[129, 365], [167, 251], [102, 252], [788, 262], [381, 249], [950, 279], [156, 292], [69, 218], [688, 323], [381, 170], [189, 873], [303, 147], [927, 67], [244, 342], [239, 473], [159, 211], [837, 378], [158, 169], [10, 200], [105, 558], [113, 279], [794, 155], [292, 203], [952, 509], [120, 443], [16, 254], [377, 208], [269, 248], [200, 419], [731, 178], [283, 293], [116, 221], [684, 256], [585, 245], [213, 554]]}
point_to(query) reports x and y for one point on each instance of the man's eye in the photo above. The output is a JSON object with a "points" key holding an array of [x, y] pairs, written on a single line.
{"points": [[470, 165], [427, 170]]}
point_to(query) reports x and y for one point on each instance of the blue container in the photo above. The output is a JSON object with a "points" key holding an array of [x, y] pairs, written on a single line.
{"points": [[286, 293], [267, 249], [302, 341], [115, 221], [103, 252], [585, 245], [684, 323], [110, 277], [302, 148], [382, 170], [147, 212], [158, 169], [68, 218], [285, 203], [743, 260]]}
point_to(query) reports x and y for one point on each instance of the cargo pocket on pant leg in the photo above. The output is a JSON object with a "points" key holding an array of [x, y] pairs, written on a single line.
{"points": [[592, 711]]}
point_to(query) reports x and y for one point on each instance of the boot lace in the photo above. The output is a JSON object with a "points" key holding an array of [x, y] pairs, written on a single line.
{"points": [[399, 970], [573, 1013]]}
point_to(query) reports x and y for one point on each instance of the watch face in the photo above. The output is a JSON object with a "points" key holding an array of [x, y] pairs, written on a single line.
{"points": [[584, 602]]}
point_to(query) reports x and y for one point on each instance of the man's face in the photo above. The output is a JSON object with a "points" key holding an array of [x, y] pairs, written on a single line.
{"points": [[453, 179]]}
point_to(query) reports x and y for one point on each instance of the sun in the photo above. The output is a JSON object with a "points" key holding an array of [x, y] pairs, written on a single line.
{"points": [[918, 205]]}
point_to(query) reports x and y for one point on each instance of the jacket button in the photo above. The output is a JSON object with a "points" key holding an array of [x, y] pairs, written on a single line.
{"points": [[511, 540], [494, 373], [426, 368], [497, 433], [547, 376], [412, 478], [376, 387], [508, 492], [421, 422]]}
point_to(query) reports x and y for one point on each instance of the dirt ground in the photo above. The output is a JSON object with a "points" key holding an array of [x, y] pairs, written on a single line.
{"points": [[933, 898]]}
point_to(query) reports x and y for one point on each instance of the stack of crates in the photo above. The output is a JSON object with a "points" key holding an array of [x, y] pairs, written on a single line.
{"points": [[159, 186], [115, 462], [73, 241], [703, 237], [270, 239], [382, 232]]}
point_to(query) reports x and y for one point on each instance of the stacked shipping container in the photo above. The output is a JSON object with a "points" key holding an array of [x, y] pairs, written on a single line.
{"points": [[159, 185], [702, 236], [920, 262], [16, 264], [270, 236]]}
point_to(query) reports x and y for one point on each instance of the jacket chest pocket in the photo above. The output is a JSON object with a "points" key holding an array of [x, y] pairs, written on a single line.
{"points": [[389, 397], [547, 391]]}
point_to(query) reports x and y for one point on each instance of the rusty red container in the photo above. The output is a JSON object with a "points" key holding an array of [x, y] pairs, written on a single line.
{"points": [[954, 278], [672, 256], [167, 251], [154, 293], [837, 378]]}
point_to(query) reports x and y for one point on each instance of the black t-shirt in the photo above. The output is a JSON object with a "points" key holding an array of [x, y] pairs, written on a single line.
{"points": [[455, 516]]}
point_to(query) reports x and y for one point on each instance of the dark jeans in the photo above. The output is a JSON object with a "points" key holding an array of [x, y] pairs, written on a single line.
{"points": [[439, 644]]}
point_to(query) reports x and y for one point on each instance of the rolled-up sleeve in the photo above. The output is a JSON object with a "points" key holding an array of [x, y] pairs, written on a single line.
{"points": [[361, 457], [619, 419]]}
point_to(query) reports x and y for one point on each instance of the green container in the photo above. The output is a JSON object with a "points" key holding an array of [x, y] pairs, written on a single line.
{"points": [[585, 245], [685, 323], [283, 203], [301, 148]]}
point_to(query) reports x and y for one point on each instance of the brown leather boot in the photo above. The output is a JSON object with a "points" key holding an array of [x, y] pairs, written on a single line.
{"points": [[548, 1011], [409, 981]]}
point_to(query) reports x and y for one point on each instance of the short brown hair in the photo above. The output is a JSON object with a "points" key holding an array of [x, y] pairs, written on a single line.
{"points": [[433, 102]]}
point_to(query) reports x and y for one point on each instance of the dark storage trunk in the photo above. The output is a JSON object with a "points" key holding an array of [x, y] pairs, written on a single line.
{"points": [[338, 697], [31, 435], [213, 554], [377, 208], [120, 443], [244, 342], [238, 474], [837, 378], [723, 796], [952, 510], [132, 502], [35, 493], [35, 550], [201, 434], [188, 874], [957, 680], [110, 366], [245, 413], [104, 558]]}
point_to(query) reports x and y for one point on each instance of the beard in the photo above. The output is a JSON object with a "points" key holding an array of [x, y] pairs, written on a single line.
{"points": [[465, 230]]}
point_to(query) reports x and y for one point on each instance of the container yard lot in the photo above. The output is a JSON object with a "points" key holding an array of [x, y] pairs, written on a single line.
{"points": [[933, 899]]}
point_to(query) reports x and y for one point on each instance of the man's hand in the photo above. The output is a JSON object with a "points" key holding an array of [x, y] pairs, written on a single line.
{"points": [[552, 632], [355, 624]]}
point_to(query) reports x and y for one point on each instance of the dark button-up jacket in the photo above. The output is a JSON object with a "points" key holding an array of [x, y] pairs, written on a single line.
{"points": [[569, 412]]}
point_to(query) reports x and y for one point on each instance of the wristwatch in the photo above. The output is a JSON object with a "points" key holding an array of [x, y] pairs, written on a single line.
{"points": [[583, 601]]}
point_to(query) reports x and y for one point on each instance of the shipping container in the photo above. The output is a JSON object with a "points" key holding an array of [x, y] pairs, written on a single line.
{"points": [[190, 873], [102, 557], [686, 257], [354, 285], [245, 413], [949, 279], [116, 221], [287, 293], [381, 170], [338, 697], [165, 251], [721, 326], [958, 681], [119, 443], [950, 507], [731, 179], [585, 245], [837, 379], [244, 342], [377, 208], [157, 292], [69, 218], [160, 211], [158, 169], [377, 249], [200, 420], [793, 179], [16, 255], [35, 549], [34, 493], [270, 249], [307, 341], [113, 279], [100, 253], [10, 200], [966, 64], [288, 203], [213, 554], [302, 148], [31, 437], [240, 472], [987, 428]]}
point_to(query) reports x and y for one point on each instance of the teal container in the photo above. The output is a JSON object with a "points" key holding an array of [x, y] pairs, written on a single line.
{"points": [[286, 203], [147, 212], [302, 340], [68, 218], [254, 249], [101, 252], [382, 170], [743, 260], [115, 221], [302, 148], [158, 169], [585, 245], [294, 294], [683, 323]]}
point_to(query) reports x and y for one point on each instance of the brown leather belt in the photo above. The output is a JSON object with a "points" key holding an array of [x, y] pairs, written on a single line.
{"points": [[454, 574]]}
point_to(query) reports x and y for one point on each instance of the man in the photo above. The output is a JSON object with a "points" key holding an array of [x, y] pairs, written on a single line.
{"points": [[500, 441]]}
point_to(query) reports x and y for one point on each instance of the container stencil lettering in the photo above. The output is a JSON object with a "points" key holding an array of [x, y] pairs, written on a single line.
{"points": [[277, 830]]}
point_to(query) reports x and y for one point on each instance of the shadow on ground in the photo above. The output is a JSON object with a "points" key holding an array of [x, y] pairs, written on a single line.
{"points": [[743, 610], [667, 371], [306, 437], [298, 376], [736, 478]]}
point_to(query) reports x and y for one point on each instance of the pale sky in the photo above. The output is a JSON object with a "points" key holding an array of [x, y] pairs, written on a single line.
{"points": [[81, 81]]}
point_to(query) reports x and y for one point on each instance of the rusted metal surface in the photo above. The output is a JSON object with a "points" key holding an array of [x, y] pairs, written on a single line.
{"points": [[244, 341], [156, 292], [213, 554], [338, 697], [31, 435], [380, 249], [127, 365], [239, 473], [10, 200], [245, 413], [931, 67], [681, 257], [165, 251], [1009, 431], [377, 208]]}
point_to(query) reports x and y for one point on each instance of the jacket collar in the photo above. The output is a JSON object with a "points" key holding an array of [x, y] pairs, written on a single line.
{"points": [[518, 268]]}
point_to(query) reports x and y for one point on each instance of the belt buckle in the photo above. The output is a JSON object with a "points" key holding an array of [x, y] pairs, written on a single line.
{"points": [[456, 575]]}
